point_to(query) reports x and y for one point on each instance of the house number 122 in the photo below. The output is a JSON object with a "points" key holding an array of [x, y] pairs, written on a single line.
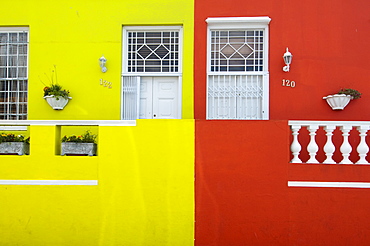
{"points": [[288, 83]]}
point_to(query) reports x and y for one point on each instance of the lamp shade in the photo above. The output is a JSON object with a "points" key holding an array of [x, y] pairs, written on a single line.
{"points": [[287, 57]]}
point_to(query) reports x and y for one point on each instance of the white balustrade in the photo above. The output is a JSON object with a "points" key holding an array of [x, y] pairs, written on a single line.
{"points": [[295, 147], [362, 148], [345, 148], [347, 130], [329, 147], [312, 146]]}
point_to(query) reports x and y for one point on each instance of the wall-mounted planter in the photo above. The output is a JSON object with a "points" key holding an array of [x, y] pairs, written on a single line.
{"points": [[14, 148], [338, 101], [71, 148], [57, 103]]}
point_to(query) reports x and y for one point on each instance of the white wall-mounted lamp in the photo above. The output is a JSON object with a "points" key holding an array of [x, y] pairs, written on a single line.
{"points": [[287, 59], [102, 62]]}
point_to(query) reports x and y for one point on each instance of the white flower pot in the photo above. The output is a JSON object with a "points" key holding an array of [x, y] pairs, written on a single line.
{"points": [[57, 103], [71, 148], [18, 148], [338, 101]]}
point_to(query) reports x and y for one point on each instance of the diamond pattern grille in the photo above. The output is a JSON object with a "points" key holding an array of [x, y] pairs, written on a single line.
{"points": [[152, 51], [237, 51]]}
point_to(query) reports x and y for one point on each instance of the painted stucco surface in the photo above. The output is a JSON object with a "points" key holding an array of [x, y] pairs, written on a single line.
{"points": [[144, 196], [329, 42], [242, 194], [73, 35]]}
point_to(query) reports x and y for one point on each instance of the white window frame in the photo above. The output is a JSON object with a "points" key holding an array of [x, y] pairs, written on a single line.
{"points": [[135, 76], [18, 30], [150, 28], [242, 23]]}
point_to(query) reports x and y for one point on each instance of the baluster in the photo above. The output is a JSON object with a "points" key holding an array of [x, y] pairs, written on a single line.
{"points": [[295, 147], [362, 147], [312, 147], [329, 147], [345, 148]]}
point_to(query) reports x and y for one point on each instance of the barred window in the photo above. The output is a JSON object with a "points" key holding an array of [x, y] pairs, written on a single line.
{"points": [[13, 73], [153, 51], [237, 81], [237, 51]]}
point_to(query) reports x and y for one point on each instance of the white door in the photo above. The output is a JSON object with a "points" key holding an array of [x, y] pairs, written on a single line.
{"points": [[159, 98]]}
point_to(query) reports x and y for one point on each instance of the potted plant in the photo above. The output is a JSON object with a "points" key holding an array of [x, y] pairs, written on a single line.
{"points": [[84, 144], [340, 100], [11, 144], [55, 95]]}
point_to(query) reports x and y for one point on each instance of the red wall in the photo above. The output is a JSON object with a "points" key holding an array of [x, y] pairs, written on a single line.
{"points": [[241, 183], [329, 40], [242, 196]]}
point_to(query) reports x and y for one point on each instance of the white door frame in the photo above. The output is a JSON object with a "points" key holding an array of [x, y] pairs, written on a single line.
{"points": [[152, 74]]}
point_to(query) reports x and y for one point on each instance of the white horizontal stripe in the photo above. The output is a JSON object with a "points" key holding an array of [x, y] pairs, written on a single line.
{"points": [[13, 128], [47, 182], [324, 123], [69, 122], [244, 20], [329, 184]]}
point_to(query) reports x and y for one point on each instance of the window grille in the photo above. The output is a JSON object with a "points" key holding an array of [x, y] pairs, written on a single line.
{"points": [[237, 81], [13, 75], [153, 51], [148, 51], [235, 97], [237, 51], [131, 89]]}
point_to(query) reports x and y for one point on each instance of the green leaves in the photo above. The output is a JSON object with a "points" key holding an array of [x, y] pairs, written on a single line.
{"points": [[10, 137], [87, 137], [352, 92], [56, 90]]}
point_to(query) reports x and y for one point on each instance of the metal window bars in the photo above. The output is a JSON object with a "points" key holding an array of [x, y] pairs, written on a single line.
{"points": [[235, 97], [13, 75], [152, 51], [130, 97], [237, 51]]}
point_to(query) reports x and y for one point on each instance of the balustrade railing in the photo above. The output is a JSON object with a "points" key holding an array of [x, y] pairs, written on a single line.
{"points": [[353, 137]]}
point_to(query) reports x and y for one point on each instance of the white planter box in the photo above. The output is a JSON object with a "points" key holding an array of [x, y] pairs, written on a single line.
{"points": [[19, 148], [57, 103], [70, 148], [338, 101]]}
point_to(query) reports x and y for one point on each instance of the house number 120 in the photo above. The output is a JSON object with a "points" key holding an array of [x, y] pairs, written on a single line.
{"points": [[288, 83]]}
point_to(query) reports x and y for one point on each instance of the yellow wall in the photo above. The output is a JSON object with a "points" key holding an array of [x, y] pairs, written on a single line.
{"points": [[145, 191], [144, 196], [74, 34]]}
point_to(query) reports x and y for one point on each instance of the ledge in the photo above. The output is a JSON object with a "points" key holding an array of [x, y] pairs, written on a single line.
{"points": [[48, 182], [224, 21], [68, 122]]}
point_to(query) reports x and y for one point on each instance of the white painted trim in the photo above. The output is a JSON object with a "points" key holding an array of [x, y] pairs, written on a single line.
{"points": [[266, 97], [14, 29], [175, 28], [237, 22], [68, 122], [161, 74], [242, 23], [323, 123], [13, 128], [158, 27], [329, 184], [48, 182], [179, 94]]}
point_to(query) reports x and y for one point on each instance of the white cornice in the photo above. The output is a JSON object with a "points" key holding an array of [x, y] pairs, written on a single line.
{"points": [[68, 122], [224, 21]]}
